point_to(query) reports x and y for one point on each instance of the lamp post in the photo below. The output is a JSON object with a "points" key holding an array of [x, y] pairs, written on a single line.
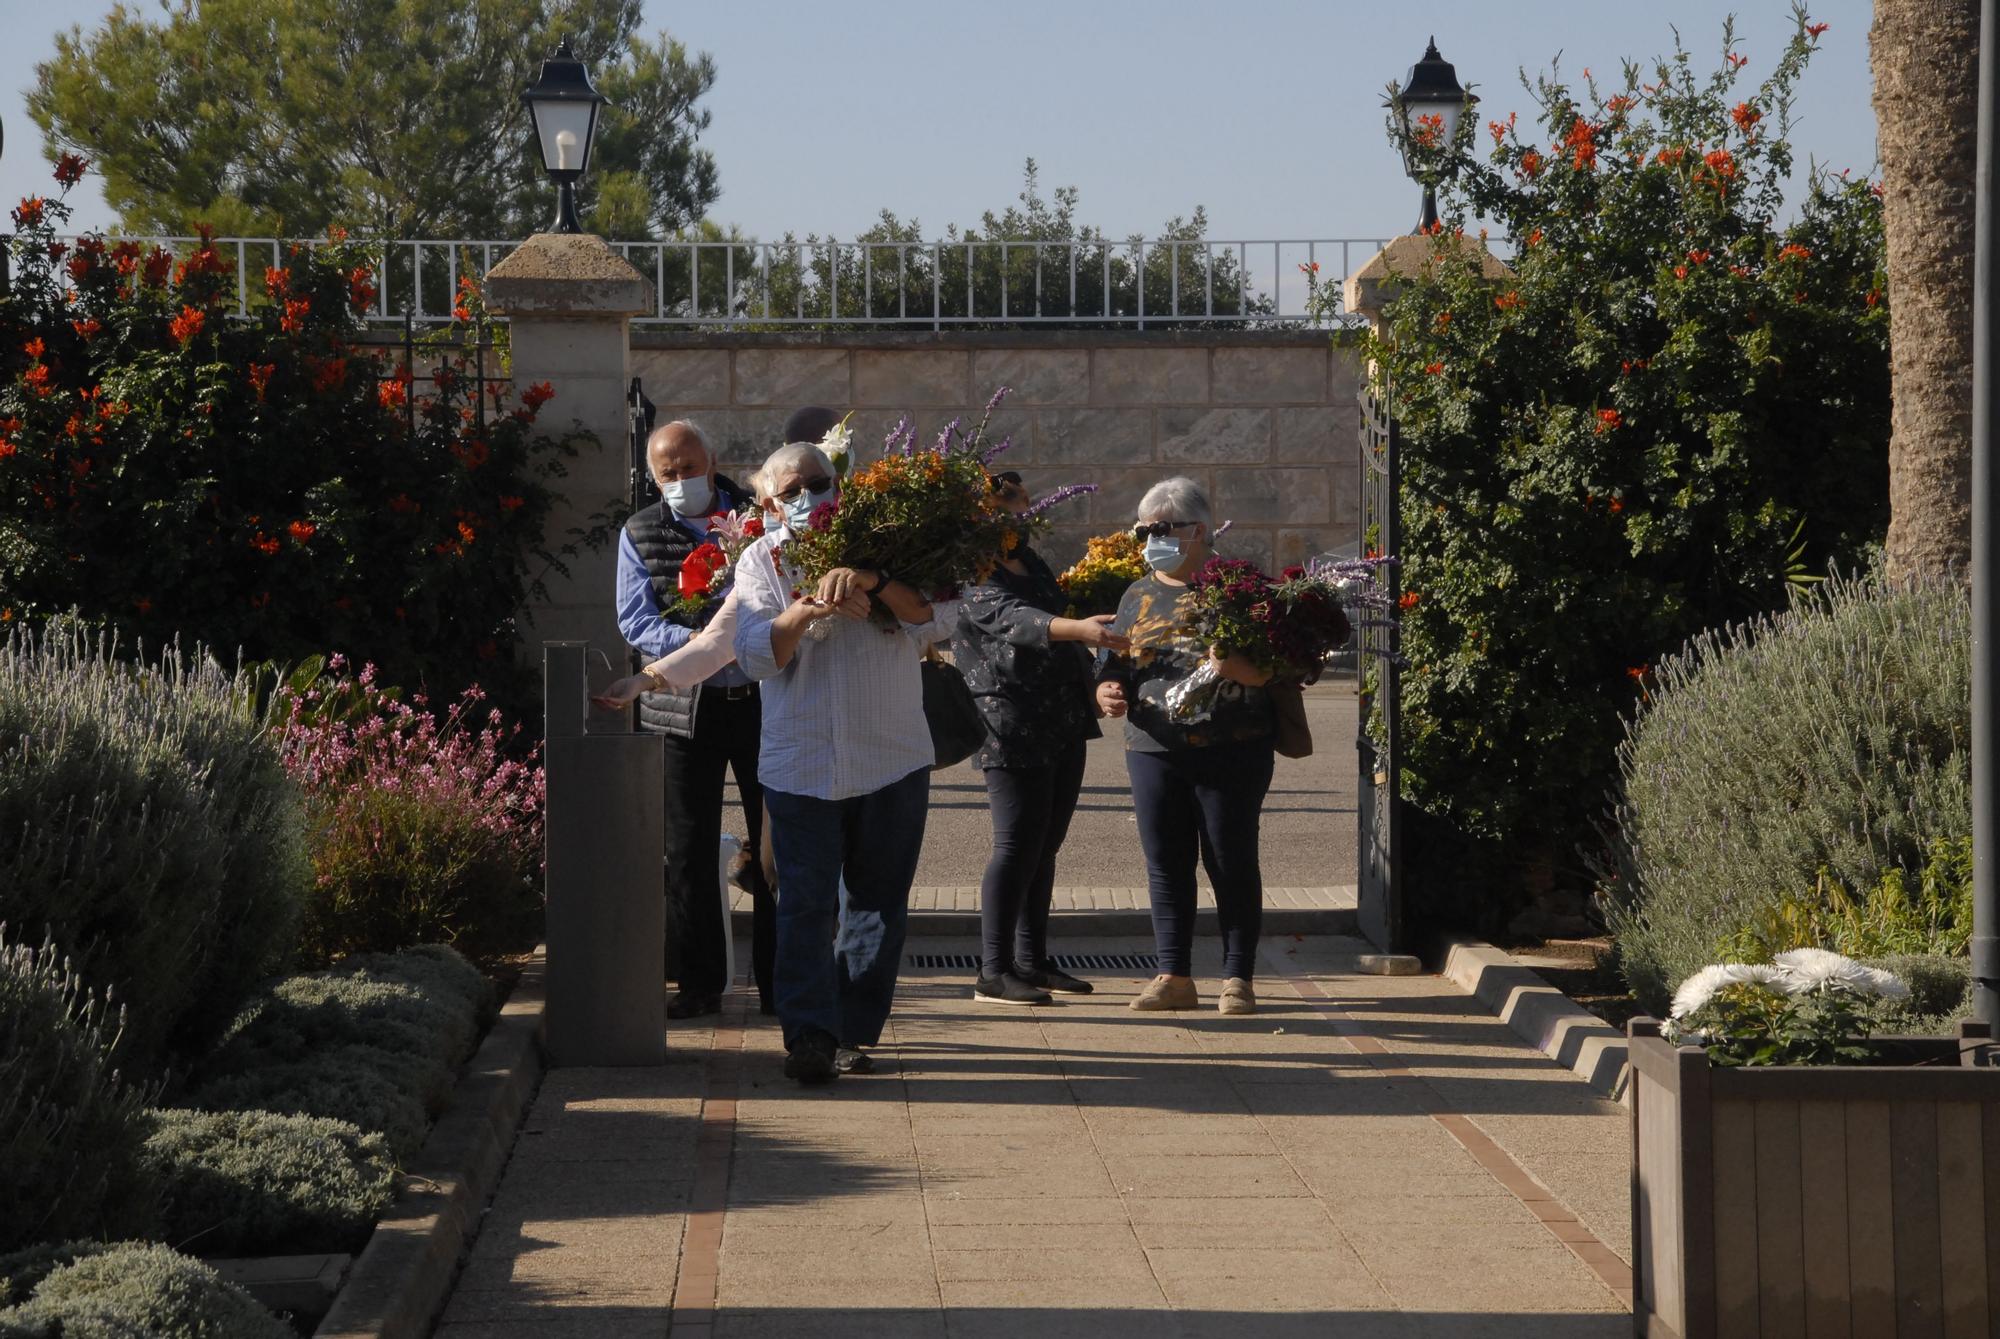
{"points": [[564, 108], [1430, 90], [1985, 513]]}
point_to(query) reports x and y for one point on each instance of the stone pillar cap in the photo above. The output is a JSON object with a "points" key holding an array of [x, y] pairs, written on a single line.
{"points": [[1368, 289], [567, 275]]}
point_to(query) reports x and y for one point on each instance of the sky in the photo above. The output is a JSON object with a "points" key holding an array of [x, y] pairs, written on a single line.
{"points": [[1266, 112]]}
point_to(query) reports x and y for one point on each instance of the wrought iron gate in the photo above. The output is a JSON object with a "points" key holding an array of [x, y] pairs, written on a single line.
{"points": [[1379, 881]]}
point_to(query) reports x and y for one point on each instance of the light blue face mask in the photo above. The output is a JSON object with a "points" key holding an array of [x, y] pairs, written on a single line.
{"points": [[800, 509], [1163, 553], [689, 497]]}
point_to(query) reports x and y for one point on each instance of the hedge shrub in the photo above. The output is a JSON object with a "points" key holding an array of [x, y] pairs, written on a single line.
{"points": [[260, 481], [260, 1183], [376, 1042], [87, 1290], [363, 1086], [147, 824], [1677, 400], [1817, 751], [70, 1128]]}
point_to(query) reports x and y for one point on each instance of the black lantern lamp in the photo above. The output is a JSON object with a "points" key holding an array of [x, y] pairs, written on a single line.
{"points": [[564, 107], [1432, 89]]}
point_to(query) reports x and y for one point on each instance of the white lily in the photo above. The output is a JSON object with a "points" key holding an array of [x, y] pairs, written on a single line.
{"points": [[836, 445]]}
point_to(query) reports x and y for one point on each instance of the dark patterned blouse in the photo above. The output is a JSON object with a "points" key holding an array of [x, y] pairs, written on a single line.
{"points": [[1149, 614], [1034, 694]]}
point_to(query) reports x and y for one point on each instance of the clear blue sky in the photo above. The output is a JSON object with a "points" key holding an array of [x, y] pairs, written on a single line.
{"points": [[1266, 111]]}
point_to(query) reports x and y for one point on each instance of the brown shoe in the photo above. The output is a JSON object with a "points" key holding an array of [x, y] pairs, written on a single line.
{"points": [[1167, 992], [1237, 997]]}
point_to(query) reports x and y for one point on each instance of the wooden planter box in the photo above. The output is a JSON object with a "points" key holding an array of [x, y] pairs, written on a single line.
{"points": [[1853, 1201]]}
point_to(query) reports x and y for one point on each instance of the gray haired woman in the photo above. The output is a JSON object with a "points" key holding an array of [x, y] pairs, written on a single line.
{"points": [[1197, 786]]}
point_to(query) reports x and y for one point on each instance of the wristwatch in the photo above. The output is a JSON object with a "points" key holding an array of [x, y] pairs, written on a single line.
{"points": [[882, 578]]}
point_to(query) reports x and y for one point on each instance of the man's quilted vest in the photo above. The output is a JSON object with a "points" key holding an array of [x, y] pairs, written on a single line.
{"points": [[662, 542]]}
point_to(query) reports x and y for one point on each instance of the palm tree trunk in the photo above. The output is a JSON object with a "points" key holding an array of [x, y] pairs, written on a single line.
{"points": [[1925, 59]]}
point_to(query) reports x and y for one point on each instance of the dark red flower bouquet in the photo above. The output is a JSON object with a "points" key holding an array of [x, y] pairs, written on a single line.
{"points": [[1287, 626]]}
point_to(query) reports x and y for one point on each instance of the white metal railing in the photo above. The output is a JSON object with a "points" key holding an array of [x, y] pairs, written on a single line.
{"points": [[739, 284]]}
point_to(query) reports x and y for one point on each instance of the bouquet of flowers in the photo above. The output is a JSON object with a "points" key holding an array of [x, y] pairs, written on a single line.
{"points": [[1805, 1007], [1288, 626], [706, 573], [1097, 580], [927, 515]]}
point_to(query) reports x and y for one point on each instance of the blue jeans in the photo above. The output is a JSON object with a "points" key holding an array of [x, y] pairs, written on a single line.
{"points": [[844, 988], [1203, 802]]}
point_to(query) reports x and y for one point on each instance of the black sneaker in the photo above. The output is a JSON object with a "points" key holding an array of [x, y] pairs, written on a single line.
{"points": [[811, 1060], [851, 1060], [1062, 983], [686, 1005], [1007, 988]]}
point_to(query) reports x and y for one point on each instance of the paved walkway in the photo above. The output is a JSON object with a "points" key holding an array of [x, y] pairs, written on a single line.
{"points": [[1366, 1156]]}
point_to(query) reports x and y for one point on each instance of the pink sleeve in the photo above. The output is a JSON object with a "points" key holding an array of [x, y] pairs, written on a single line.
{"points": [[704, 653]]}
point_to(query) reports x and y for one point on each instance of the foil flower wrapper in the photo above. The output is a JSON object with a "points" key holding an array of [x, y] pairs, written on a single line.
{"points": [[1193, 698]]}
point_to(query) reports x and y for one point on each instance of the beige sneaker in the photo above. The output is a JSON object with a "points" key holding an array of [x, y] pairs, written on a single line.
{"points": [[1167, 992], [1237, 997]]}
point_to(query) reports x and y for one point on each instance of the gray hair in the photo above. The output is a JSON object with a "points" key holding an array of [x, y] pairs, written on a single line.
{"points": [[1177, 499], [690, 427], [793, 456]]}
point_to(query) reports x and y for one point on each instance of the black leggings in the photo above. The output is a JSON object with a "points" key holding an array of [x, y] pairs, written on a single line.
{"points": [[1032, 807], [1207, 800]]}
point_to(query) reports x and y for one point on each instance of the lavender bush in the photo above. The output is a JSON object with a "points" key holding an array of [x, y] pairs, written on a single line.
{"points": [[70, 1128], [147, 827], [1823, 747]]}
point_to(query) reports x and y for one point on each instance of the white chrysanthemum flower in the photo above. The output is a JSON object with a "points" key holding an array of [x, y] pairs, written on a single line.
{"points": [[1818, 969], [1700, 988]]}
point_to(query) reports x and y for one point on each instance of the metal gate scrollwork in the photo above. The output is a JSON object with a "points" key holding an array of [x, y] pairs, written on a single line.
{"points": [[1379, 892]]}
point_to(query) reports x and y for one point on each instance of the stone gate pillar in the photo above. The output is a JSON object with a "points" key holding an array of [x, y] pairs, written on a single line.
{"points": [[570, 300]]}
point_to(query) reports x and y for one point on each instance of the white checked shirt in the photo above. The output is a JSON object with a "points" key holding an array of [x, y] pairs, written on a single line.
{"points": [[846, 716]]}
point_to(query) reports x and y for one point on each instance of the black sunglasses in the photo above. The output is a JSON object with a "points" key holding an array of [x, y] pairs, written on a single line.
{"points": [[1003, 479], [819, 485], [1149, 529]]}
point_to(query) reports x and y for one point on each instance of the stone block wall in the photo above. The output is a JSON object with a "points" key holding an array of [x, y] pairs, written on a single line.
{"points": [[1267, 422]]}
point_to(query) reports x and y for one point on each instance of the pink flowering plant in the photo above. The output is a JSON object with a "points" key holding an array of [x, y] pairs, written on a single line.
{"points": [[422, 827]]}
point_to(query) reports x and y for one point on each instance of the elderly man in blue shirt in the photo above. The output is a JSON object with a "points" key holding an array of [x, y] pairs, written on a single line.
{"points": [[714, 727], [846, 756]]}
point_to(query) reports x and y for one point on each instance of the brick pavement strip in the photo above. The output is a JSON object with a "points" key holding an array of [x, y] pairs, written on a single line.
{"points": [[1365, 1156]]}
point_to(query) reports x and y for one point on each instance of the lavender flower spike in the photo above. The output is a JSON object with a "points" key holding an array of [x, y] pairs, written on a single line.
{"points": [[1220, 531], [994, 403], [1063, 494], [944, 437], [899, 437], [1006, 444]]}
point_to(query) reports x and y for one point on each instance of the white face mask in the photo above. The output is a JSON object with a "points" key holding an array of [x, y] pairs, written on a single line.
{"points": [[800, 509], [689, 497], [1163, 553]]}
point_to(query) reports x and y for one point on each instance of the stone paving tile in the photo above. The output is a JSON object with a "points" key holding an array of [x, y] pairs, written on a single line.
{"points": [[1080, 1170]]}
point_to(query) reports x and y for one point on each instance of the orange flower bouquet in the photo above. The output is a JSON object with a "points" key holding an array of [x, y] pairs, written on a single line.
{"points": [[927, 515]]}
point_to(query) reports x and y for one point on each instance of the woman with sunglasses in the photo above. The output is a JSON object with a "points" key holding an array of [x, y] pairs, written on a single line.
{"points": [[1029, 671], [1197, 786]]}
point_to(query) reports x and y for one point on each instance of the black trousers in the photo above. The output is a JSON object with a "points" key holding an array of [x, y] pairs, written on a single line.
{"points": [[726, 731], [1032, 807], [1205, 801]]}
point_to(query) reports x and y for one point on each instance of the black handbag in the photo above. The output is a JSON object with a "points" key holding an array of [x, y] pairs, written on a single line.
{"points": [[957, 728]]}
